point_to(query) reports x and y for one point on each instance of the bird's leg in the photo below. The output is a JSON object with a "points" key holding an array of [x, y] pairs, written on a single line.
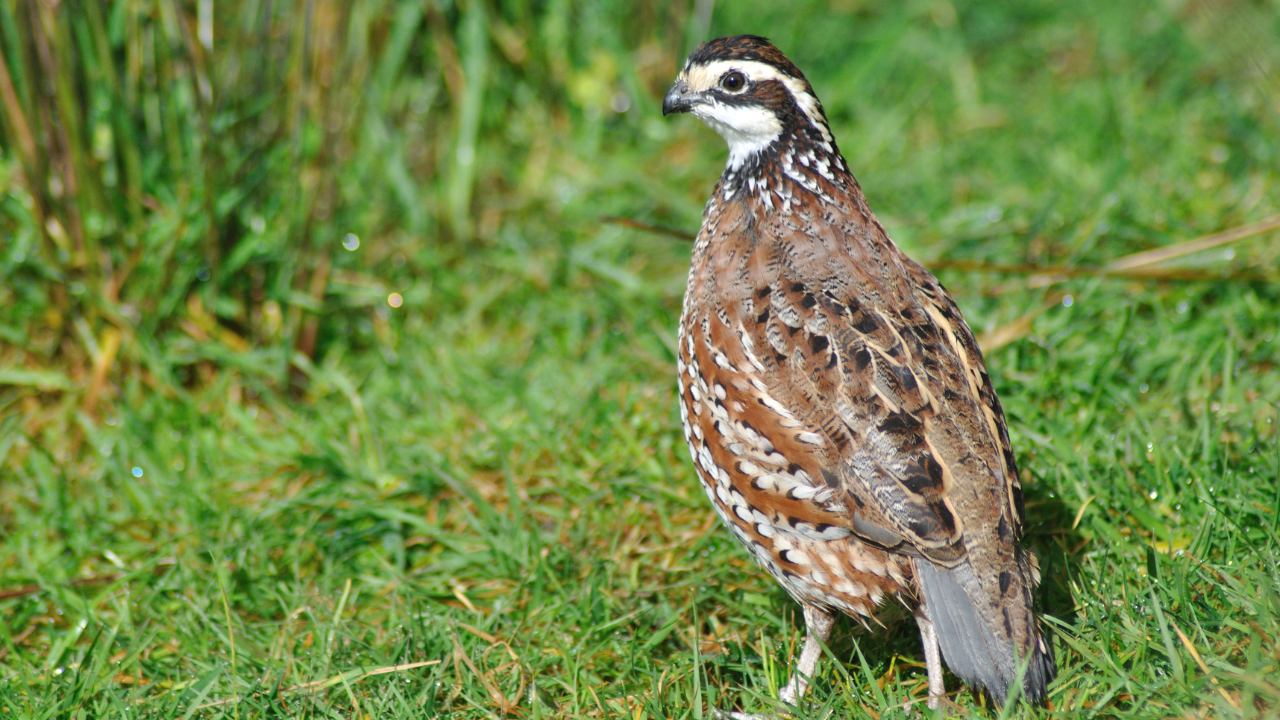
{"points": [[818, 626], [932, 656]]}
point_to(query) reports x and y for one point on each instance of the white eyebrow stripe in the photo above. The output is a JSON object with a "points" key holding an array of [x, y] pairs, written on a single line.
{"points": [[707, 76]]}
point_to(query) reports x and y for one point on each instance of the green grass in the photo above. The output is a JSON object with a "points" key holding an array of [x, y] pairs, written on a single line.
{"points": [[236, 482]]}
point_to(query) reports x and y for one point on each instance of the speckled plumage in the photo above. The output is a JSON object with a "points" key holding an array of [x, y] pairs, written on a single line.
{"points": [[835, 401]]}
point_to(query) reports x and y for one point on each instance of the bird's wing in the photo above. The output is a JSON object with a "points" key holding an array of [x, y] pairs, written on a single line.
{"points": [[857, 360]]}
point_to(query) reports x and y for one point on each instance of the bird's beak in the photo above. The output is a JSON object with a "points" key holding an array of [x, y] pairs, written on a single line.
{"points": [[678, 99]]}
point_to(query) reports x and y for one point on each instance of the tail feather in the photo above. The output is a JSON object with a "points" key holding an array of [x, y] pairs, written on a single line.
{"points": [[974, 647]]}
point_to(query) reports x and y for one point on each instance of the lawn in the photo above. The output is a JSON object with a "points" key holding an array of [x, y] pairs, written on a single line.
{"points": [[332, 385]]}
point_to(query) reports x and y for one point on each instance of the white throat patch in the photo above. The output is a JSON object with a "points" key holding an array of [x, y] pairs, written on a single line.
{"points": [[748, 130]]}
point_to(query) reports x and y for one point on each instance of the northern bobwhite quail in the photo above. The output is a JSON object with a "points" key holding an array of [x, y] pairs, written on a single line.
{"points": [[835, 401]]}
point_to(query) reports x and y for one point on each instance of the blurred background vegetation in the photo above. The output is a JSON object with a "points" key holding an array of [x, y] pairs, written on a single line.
{"points": [[320, 355]]}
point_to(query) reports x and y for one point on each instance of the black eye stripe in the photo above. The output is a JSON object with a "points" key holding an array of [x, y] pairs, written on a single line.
{"points": [[759, 92]]}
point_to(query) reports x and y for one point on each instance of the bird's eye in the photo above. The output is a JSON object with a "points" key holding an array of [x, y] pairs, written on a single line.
{"points": [[733, 81]]}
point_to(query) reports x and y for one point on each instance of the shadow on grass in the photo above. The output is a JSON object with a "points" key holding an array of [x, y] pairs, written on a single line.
{"points": [[1057, 545]]}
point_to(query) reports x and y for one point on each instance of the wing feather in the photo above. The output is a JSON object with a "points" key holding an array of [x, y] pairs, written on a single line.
{"points": [[883, 372]]}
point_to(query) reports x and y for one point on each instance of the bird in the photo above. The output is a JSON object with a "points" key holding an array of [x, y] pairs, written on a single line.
{"points": [[835, 402]]}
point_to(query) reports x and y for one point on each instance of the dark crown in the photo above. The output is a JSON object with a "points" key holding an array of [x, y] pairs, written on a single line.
{"points": [[744, 47]]}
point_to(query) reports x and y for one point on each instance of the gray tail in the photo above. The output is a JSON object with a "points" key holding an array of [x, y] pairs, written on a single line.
{"points": [[986, 648]]}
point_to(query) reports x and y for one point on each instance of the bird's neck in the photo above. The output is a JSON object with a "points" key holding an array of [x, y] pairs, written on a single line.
{"points": [[801, 165]]}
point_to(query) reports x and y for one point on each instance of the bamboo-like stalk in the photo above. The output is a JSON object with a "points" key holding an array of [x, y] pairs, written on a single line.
{"points": [[475, 62], [15, 115], [158, 169], [57, 109], [1159, 255], [202, 94], [26, 143]]}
